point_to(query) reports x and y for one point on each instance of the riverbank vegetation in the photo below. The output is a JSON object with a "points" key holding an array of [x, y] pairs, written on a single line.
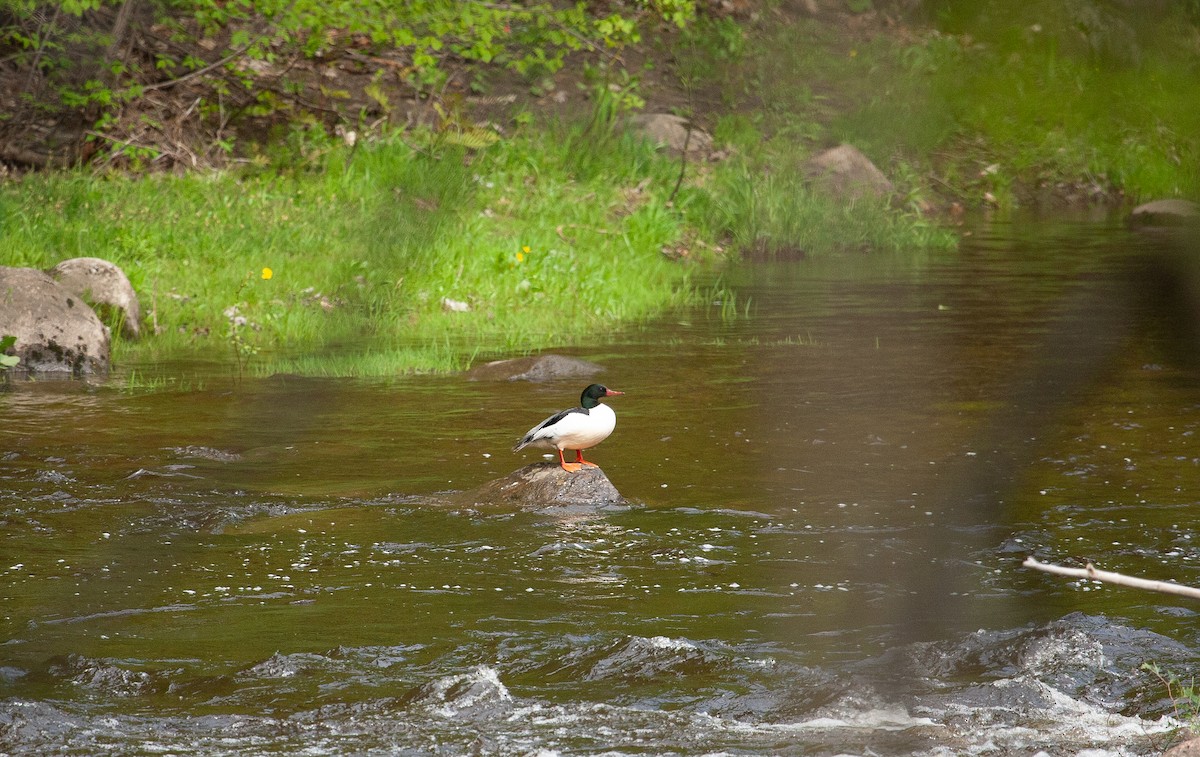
{"points": [[423, 254], [388, 256], [291, 190], [986, 104]]}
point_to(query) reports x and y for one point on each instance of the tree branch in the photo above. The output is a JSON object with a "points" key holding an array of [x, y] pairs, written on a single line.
{"points": [[43, 35], [1092, 573], [202, 71], [687, 141]]}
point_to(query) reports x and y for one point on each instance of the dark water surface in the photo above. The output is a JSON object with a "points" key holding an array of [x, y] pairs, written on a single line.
{"points": [[832, 495]]}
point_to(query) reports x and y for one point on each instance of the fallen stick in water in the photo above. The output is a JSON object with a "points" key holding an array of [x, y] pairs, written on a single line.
{"points": [[1090, 571]]}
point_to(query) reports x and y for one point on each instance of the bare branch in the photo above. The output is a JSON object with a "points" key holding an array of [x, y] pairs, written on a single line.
{"points": [[43, 35], [1090, 572], [202, 71], [687, 141]]}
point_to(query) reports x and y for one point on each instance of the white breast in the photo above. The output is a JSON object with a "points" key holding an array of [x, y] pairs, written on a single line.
{"points": [[579, 431]]}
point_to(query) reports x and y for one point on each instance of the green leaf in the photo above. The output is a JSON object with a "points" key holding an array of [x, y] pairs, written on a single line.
{"points": [[475, 139], [376, 92], [6, 343]]}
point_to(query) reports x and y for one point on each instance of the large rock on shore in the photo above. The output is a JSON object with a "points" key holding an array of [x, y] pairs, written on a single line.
{"points": [[1189, 748], [672, 132], [104, 286], [1171, 212], [846, 173], [548, 485], [56, 331]]}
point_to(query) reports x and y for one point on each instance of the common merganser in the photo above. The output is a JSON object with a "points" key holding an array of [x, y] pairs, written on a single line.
{"points": [[579, 428]]}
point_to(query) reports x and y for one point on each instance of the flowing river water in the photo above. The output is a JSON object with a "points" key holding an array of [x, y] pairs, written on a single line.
{"points": [[832, 486]]}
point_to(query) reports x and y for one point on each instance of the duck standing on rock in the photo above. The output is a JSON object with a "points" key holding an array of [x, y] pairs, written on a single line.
{"points": [[579, 428]]}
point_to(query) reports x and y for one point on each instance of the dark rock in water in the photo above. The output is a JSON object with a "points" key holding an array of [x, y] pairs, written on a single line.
{"points": [[476, 692], [534, 368], [101, 676], [279, 666], [103, 285], [206, 453], [56, 331], [1165, 213], [547, 484], [649, 659]]}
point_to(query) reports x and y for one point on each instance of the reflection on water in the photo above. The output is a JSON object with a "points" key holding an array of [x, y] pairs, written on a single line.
{"points": [[833, 496]]}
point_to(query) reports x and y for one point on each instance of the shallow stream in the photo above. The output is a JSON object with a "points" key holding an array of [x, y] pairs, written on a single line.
{"points": [[833, 487]]}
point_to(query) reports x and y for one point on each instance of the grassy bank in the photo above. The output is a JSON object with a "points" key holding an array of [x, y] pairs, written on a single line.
{"points": [[996, 104], [418, 256], [407, 253]]}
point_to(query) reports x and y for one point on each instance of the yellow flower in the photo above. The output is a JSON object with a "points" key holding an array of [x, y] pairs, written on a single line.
{"points": [[520, 257], [525, 248], [267, 273]]}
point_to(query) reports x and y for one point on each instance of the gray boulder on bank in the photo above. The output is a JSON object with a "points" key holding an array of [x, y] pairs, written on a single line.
{"points": [[1172, 212], [846, 173], [103, 285], [56, 331], [1189, 748], [671, 131], [534, 368], [548, 485]]}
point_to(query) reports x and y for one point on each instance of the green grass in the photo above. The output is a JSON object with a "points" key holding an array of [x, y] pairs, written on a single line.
{"points": [[769, 211], [1041, 94], [1184, 697], [377, 360], [1048, 115], [554, 235], [549, 238]]}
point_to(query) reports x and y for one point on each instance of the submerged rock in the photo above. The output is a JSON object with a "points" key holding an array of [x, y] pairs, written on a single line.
{"points": [[476, 692], [547, 485], [102, 676], [206, 453], [56, 331], [640, 658], [534, 368]]}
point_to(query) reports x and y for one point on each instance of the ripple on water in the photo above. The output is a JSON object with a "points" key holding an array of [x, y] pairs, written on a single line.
{"points": [[166, 593], [1043, 687]]}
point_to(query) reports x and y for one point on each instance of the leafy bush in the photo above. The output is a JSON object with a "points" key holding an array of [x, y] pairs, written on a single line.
{"points": [[119, 67]]}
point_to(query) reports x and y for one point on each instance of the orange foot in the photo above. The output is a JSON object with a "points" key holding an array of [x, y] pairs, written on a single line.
{"points": [[579, 460], [569, 467]]}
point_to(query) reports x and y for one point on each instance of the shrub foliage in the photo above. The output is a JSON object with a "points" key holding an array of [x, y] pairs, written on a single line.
{"points": [[143, 77]]}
